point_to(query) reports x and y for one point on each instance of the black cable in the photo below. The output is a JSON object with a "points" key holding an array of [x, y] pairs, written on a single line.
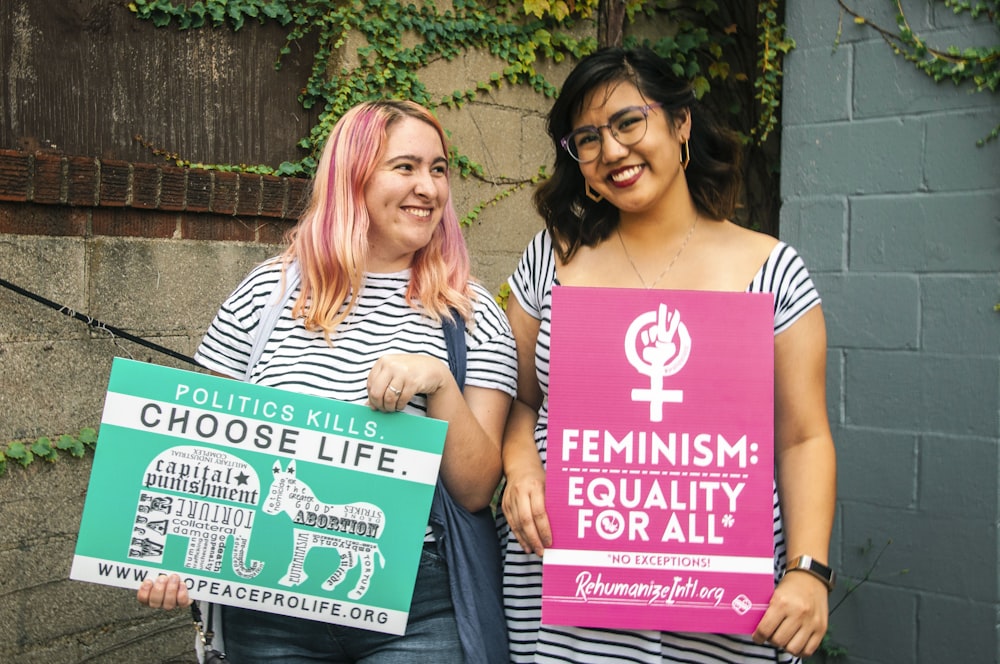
{"points": [[93, 322]]}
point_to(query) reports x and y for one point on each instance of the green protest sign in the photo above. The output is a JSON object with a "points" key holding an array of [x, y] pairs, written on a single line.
{"points": [[259, 497]]}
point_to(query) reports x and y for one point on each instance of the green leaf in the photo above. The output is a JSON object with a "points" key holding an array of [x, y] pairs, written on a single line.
{"points": [[20, 453], [43, 448]]}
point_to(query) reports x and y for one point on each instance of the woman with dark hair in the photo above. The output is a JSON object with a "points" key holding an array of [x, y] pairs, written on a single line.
{"points": [[383, 267], [644, 185]]}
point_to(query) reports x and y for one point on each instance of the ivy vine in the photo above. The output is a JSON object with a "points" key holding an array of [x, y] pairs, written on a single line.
{"points": [[977, 66], [398, 41], [25, 452]]}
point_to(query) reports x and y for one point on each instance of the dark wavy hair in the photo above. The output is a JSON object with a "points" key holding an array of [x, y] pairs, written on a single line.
{"points": [[714, 175]]}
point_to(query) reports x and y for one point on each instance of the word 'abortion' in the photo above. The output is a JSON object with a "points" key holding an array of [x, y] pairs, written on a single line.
{"points": [[641, 447]]}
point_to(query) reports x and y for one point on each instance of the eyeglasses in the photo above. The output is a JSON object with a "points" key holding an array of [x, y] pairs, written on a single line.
{"points": [[627, 126]]}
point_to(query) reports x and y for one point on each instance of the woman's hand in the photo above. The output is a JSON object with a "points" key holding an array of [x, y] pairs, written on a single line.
{"points": [[524, 505], [796, 618], [524, 495], [395, 379], [165, 592]]}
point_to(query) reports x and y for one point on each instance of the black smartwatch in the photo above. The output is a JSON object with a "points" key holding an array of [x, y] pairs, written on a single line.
{"points": [[812, 566]]}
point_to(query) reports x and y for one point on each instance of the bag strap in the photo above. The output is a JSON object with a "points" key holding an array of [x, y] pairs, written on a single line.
{"points": [[454, 341], [205, 631], [271, 313]]}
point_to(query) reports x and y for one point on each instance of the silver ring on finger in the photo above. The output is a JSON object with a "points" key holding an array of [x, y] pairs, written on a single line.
{"points": [[395, 391]]}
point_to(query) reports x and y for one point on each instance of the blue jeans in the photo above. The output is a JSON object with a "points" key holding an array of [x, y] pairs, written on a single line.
{"points": [[254, 637]]}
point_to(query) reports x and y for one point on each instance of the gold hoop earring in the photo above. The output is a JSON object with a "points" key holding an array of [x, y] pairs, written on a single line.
{"points": [[685, 154], [591, 194]]}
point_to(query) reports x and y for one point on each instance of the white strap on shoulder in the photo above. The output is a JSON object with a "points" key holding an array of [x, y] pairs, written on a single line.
{"points": [[271, 313]]}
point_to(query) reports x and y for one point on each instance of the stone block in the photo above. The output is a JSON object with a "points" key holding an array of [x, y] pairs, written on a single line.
{"points": [[40, 220], [958, 476], [249, 193], [953, 160], [61, 387], [274, 192], [821, 24], [829, 102], [145, 186], [817, 228], [921, 392], [129, 222], [871, 311], [858, 158], [173, 188], [171, 286], [52, 268], [876, 607], [925, 553], [224, 193], [958, 315], [886, 85], [474, 129], [15, 175], [48, 180], [877, 467], [925, 234], [958, 630], [82, 177], [114, 186], [199, 190]]}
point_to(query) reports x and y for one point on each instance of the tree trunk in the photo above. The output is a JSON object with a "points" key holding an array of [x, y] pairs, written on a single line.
{"points": [[610, 22]]}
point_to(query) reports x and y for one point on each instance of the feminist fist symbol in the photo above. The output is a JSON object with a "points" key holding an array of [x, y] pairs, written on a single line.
{"points": [[666, 346]]}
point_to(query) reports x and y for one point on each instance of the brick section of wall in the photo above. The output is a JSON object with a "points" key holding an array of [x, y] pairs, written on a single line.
{"points": [[147, 200]]}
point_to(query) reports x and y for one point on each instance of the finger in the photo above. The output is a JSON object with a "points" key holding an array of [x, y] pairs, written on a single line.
{"points": [[394, 397], [177, 590], [513, 514], [535, 525], [766, 627], [156, 591], [143, 593], [540, 517], [797, 642], [812, 645], [167, 593]]}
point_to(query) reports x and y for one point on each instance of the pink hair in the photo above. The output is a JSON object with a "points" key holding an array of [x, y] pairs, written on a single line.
{"points": [[330, 242]]}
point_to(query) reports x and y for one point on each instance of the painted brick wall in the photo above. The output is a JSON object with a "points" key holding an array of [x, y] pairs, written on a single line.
{"points": [[897, 213]]}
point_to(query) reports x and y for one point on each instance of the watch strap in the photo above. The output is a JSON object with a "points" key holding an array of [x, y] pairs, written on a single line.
{"points": [[812, 566]]}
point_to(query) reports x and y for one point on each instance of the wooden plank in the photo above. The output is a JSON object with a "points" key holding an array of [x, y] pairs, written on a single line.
{"points": [[84, 78]]}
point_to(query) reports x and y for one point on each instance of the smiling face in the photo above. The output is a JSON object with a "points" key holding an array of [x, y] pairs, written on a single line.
{"points": [[643, 178], [406, 195]]}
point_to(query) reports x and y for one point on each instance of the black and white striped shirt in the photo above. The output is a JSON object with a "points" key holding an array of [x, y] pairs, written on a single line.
{"points": [[381, 323]]}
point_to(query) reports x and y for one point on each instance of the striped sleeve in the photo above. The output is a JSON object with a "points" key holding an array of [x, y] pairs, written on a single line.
{"points": [[491, 361], [535, 271], [226, 345], [785, 275]]}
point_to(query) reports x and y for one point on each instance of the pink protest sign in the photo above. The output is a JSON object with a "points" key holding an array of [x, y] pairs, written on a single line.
{"points": [[660, 460]]}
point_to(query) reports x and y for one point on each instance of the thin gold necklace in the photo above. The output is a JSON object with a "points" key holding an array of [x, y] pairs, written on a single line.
{"points": [[669, 265]]}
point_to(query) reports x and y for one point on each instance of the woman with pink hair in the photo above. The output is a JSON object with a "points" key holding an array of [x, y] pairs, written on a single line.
{"points": [[384, 269]]}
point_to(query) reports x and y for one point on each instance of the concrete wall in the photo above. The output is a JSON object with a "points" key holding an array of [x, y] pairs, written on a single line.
{"points": [[153, 263], [896, 211]]}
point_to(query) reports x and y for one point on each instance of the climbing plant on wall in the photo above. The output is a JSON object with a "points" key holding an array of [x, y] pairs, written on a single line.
{"points": [[379, 48], [975, 67]]}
